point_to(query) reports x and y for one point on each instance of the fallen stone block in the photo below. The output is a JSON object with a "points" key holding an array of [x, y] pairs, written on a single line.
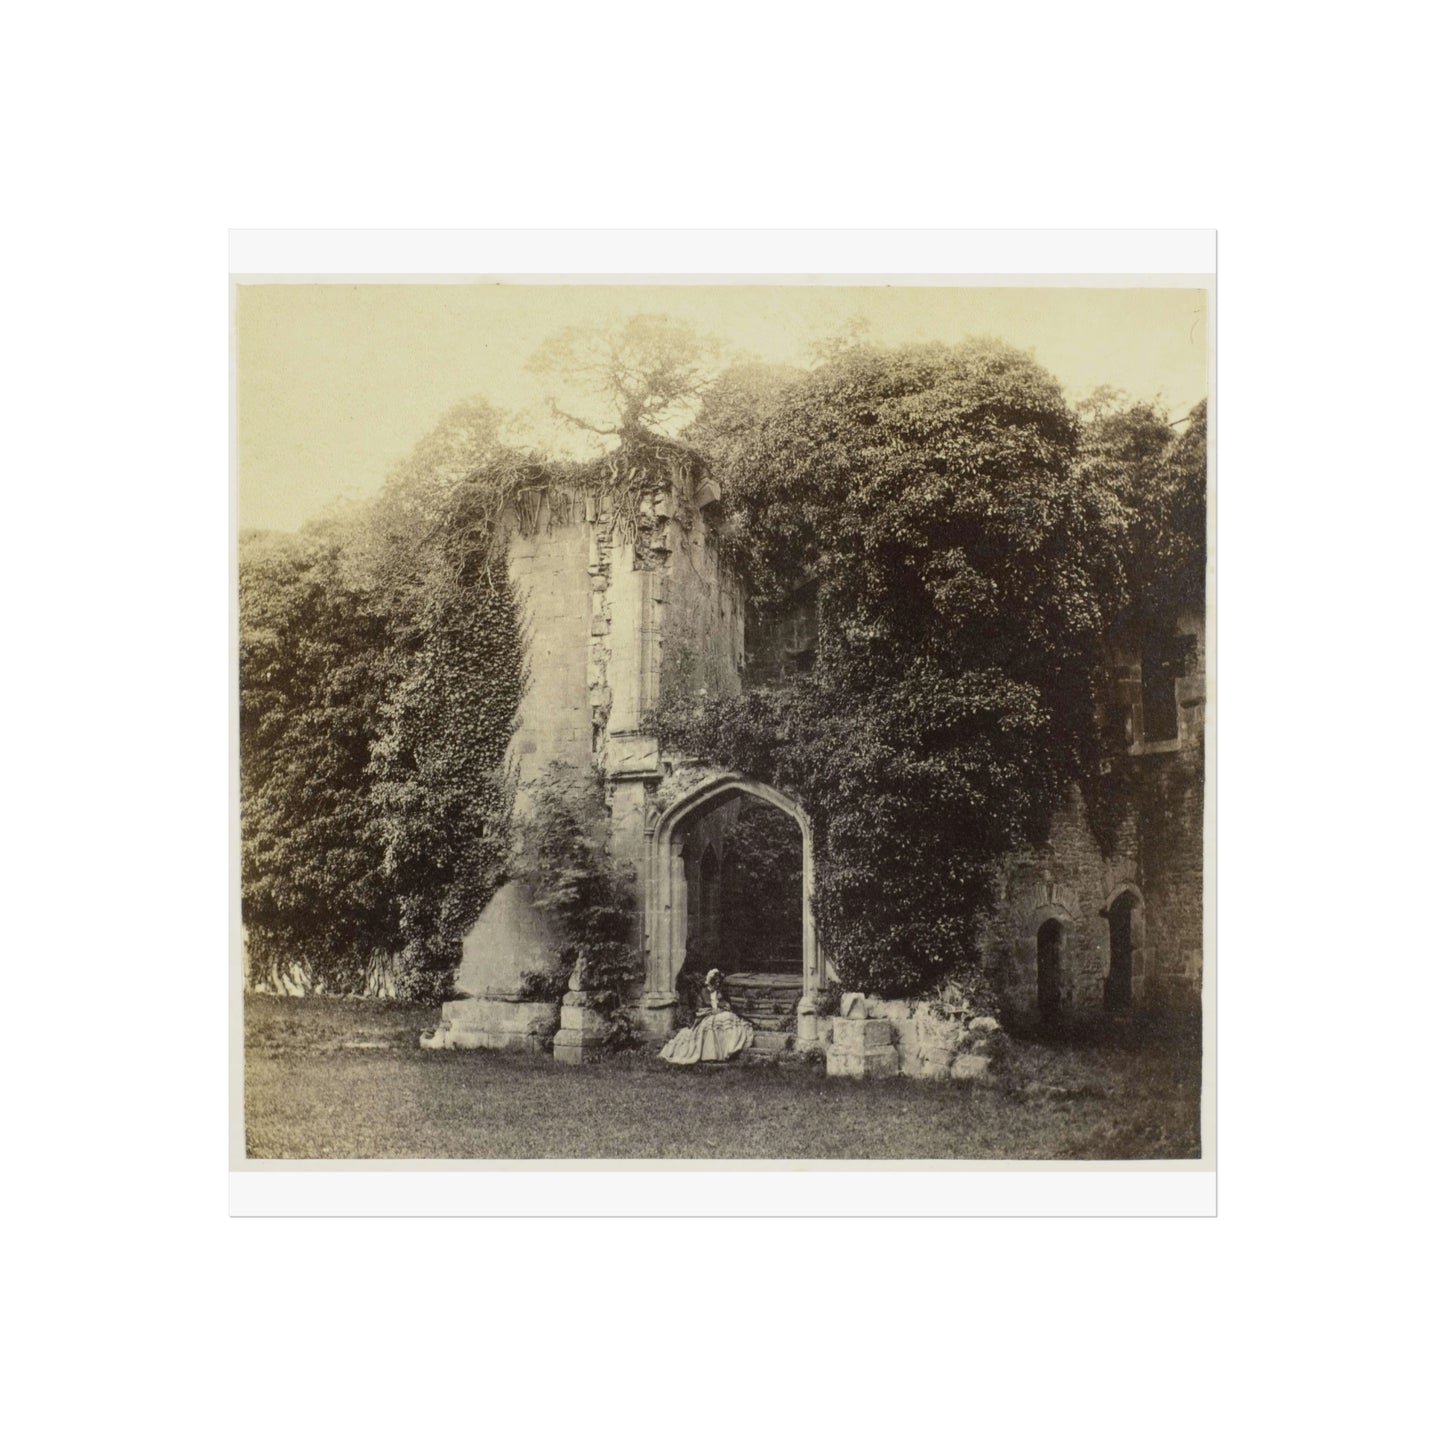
{"points": [[878, 1063], [766, 1041], [860, 1034]]}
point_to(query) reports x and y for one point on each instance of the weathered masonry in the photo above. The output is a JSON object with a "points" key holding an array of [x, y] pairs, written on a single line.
{"points": [[621, 607], [617, 607], [1077, 931]]}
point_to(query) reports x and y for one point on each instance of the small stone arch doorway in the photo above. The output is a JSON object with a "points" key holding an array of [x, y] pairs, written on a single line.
{"points": [[666, 902], [1049, 943], [1125, 915]]}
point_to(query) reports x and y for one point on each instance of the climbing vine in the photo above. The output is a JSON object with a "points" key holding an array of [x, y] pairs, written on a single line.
{"points": [[384, 660], [562, 856], [967, 571]]}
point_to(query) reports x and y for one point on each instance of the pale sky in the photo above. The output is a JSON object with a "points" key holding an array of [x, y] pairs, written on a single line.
{"points": [[337, 382]]}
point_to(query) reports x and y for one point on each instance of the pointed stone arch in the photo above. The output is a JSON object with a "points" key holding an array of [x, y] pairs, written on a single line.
{"points": [[665, 915], [1126, 983]]}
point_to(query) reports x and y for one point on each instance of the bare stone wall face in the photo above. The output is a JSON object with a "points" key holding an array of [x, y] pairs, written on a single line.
{"points": [[550, 568]]}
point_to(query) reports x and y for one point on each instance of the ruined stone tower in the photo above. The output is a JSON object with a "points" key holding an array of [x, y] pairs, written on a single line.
{"points": [[620, 595]]}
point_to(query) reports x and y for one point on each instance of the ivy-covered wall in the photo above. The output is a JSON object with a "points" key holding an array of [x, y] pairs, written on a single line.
{"points": [[1156, 854]]}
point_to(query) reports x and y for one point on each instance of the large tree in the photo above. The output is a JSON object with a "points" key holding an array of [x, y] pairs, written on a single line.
{"points": [[382, 665], [314, 894], [642, 376]]}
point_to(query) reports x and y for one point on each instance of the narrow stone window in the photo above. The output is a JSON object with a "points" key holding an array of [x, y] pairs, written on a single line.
{"points": [[1160, 664], [1119, 726]]}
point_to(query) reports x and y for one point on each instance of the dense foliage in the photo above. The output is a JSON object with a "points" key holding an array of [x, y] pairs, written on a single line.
{"points": [[969, 541], [382, 665], [312, 684], [1158, 476], [968, 566], [562, 855]]}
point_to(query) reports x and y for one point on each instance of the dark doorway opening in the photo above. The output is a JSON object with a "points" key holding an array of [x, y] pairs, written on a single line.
{"points": [[1050, 946], [745, 875], [1119, 985]]}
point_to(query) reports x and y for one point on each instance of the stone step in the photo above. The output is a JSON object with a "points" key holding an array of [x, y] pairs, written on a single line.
{"points": [[766, 1041]]}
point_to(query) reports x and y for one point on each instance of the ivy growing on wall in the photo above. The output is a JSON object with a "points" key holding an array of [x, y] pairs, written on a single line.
{"points": [[563, 857], [968, 569], [382, 665], [383, 662]]}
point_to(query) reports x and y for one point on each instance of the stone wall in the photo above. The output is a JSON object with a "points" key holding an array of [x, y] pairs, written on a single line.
{"points": [[1157, 857], [617, 617], [699, 610], [612, 620], [615, 607], [550, 569]]}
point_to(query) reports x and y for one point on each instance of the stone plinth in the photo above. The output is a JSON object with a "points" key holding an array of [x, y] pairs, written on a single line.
{"points": [[862, 1048], [881, 1063], [656, 1016], [859, 1035], [583, 1034], [809, 1039], [509, 941], [486, 1023]]}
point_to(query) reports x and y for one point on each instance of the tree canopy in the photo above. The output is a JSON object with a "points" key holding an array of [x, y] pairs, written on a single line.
{"points": [[314, 890], [644, 375]]}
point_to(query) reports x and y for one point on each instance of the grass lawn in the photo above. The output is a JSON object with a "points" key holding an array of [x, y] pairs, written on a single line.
{"points": [[345, 1079]]}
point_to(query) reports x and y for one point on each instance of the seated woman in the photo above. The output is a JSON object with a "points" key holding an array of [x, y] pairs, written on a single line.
{"points": [[718, 1033]]}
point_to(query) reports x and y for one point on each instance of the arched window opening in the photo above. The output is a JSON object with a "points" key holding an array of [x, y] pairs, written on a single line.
{"points": [[1050, 945], [1119, 985]]}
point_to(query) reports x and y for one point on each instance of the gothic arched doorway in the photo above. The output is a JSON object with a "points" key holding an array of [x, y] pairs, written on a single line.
{"points": [[764, 897]]}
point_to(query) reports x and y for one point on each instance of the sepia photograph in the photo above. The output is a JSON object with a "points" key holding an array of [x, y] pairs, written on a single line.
{"points": [[779, 711], [723, 722]]}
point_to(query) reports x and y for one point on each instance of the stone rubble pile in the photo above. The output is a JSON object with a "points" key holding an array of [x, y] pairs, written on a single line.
{"points": [[924, 1039]]}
